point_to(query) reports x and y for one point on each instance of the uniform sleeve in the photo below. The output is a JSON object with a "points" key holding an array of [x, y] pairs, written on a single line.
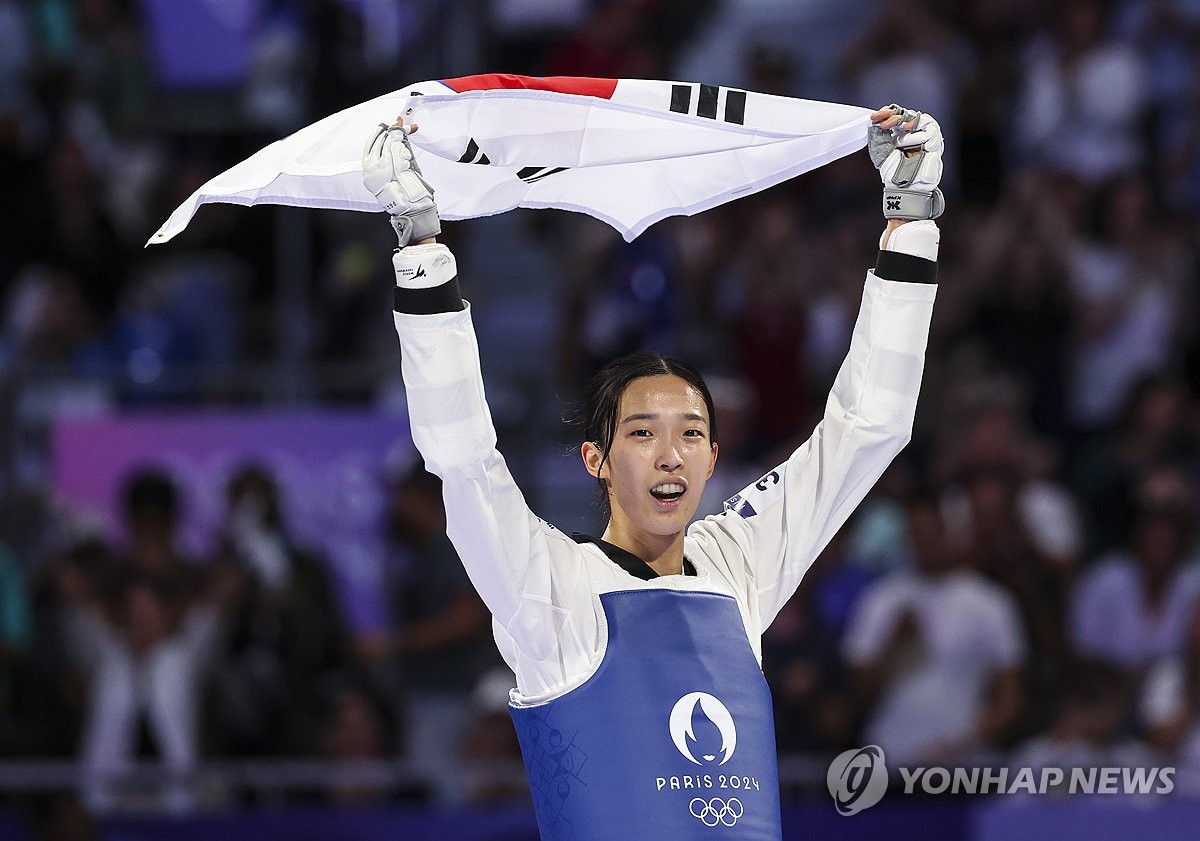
{"points": [[507, 551], [786, 518]]}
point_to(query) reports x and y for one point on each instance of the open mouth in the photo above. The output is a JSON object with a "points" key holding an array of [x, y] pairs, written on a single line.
{"points": [[668, 491]]}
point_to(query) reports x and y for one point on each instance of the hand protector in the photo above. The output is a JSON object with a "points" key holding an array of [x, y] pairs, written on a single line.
{"points": [[393, 177], [910, 184]]}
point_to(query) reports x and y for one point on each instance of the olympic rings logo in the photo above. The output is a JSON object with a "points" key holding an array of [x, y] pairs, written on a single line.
{"points": [[717, 810]]}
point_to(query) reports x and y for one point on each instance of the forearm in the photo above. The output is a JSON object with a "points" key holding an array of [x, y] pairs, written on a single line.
{"points": [[892, 225]]}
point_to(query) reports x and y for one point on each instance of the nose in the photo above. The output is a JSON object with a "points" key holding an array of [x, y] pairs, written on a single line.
{"points": [[670, 459]]}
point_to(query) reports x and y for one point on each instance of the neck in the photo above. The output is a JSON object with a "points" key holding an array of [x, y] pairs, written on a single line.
{"points": [[662, 553]]}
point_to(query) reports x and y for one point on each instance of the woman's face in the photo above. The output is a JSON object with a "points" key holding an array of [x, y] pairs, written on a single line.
{"points": [[661, 456]]}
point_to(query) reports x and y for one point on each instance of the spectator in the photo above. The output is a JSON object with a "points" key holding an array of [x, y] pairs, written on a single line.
{"points": [[1165, 31], [440, 644], [936, 653], [1019, 529], [285, 631], [77, 232], [1088, 727], [801, 654], [353, 728], [621, 299], [995, 30], [1075, 77], [1152, 429], [16, 668], [767, 311], [879, 542], [1133, 606], [48, 326], [910, 53], [1023, 317], [1127, 284], [1169, 708], [612, 43], [1001, 546], [145, 628], [1003, 489], [492, 763]]}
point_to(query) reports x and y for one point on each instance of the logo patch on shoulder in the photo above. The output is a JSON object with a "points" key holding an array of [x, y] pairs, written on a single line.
{"points": [[740, 506], [758, 496]]}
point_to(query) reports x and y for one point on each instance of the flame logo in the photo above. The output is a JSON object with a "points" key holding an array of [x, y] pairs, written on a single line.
{"points": [[683, 734]]}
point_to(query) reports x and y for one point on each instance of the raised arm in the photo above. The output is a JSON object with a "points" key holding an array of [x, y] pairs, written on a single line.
{"points": [[784, 520], [507, 551]]}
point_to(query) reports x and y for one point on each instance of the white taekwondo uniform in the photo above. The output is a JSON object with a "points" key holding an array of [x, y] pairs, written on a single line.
{"points": [[541, 586]]}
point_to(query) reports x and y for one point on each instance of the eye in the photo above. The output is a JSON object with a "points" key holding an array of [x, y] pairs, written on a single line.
{"points": [[641, 433], [694, 433]]}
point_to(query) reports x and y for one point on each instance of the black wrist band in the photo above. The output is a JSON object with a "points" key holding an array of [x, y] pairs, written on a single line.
{"points": [[892, 265], [431, 301]]}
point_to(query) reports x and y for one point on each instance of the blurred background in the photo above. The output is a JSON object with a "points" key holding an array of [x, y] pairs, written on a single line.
{"points": [[227, 605]]}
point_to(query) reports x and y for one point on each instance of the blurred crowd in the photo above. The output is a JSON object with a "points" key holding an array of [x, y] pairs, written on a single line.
{"points": [[119, 652], [1021, 584]]}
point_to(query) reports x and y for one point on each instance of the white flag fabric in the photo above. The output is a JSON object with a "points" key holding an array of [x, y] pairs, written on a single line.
{"points": [[627, 151]]}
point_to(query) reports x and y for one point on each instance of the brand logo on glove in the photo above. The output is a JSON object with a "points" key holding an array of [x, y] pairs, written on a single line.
{"points": [[893, 202], [419, 273]]}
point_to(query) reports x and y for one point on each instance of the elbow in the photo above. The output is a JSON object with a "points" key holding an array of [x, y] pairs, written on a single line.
{"points": [[448, 455], [896, 428], [887, 431]]}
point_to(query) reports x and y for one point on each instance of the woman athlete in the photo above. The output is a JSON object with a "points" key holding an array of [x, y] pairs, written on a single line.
{"points": [[640, 704]]}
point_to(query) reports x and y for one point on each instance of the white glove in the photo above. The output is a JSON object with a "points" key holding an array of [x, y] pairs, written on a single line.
{"points": [[393, 177], [910, 184]]}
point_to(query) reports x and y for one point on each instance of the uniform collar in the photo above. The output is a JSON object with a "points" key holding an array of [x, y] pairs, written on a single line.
{"points": [[626, 560]]}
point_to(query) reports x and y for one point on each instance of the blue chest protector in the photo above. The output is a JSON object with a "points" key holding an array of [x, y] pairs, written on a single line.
{"points": [[671, 738]]}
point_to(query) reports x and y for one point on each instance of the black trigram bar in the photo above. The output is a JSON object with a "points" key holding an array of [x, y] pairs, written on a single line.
{"points": [[681, 98], [735, 107], [531, 174], [707, 104], [469, 156]]}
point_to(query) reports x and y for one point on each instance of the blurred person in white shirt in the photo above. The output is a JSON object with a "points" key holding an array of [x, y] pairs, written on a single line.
{"points": [[937, 653]]}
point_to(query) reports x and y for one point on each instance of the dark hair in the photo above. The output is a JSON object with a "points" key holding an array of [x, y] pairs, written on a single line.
{"points": [[597, 419], [255, 479], [1163, 493], [151, 494]]}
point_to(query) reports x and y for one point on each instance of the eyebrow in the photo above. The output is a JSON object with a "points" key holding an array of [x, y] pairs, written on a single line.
{"points": [[640, 416]]}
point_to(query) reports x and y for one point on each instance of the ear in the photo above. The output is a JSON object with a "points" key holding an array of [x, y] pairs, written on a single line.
{"points": [[712, 463], [593, 456]]}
